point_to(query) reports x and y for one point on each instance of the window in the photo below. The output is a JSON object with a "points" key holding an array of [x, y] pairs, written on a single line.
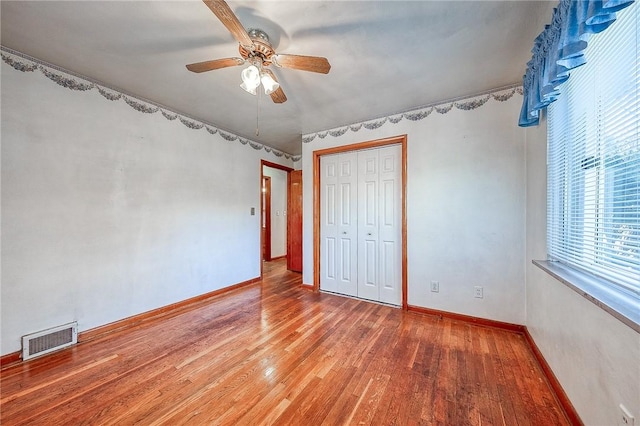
{"points": [[593, 205]]}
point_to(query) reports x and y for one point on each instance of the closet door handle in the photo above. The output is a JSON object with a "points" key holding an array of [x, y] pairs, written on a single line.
{"points": [[344, 232], [369, 233]]}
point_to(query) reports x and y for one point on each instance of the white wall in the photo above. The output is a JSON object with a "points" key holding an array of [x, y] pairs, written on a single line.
{"points": [[595, 357], [465, 208], [108, 212], [278, 211]]}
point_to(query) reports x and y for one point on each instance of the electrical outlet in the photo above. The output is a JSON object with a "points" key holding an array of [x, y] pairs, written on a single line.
{"points": [[478, 292], [435, 286], [626, 418]]}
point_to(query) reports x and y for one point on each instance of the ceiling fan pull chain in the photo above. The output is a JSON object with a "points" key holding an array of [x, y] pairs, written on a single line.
{"points": [[258, 113]]}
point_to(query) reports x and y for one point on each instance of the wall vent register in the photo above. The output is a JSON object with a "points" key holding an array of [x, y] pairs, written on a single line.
{"points": [[50, 340]]}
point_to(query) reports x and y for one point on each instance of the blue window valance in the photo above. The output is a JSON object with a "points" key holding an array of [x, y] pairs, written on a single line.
{"points": [[560, 48]]}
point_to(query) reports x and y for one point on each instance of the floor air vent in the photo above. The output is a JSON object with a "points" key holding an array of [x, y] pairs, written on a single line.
{"points": [[46, 341]]}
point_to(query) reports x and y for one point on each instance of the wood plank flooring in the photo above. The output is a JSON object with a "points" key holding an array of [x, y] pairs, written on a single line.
{"points": [[274, 353]]}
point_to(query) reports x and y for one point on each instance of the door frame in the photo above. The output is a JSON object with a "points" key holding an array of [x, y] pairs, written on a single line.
{"points": [[395, 140], [287, 169]]}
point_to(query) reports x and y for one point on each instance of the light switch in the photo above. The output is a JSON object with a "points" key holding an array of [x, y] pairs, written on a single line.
{"points": [[253, 211]]}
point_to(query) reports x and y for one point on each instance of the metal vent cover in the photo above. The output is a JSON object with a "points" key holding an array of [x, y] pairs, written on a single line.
{"points": [[49, 340]]}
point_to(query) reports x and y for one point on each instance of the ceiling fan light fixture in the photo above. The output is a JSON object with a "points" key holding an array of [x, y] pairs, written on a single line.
{"points": [[248, 88], [256, 49], [269, 84], [251, 76]]}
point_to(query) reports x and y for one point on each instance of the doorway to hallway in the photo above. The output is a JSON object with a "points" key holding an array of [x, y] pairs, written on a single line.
{"points": [[281, 214]]}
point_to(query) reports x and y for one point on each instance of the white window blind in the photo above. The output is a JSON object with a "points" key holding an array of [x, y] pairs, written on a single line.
{"points": [[593, 205]]}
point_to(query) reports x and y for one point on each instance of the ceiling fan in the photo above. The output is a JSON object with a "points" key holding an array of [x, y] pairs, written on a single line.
{"points": [[256, 50]]}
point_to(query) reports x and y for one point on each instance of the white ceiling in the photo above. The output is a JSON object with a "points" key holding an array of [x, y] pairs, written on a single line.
{"points": [[386, 56]]}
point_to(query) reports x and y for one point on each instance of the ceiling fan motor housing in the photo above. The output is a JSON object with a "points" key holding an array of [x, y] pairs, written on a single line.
{"points": [[261, 48]]}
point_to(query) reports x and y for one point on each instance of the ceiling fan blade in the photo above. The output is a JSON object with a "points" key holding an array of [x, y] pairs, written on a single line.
{"points": [[224, 13], [277, 96], [304, 63], [215, 64]]}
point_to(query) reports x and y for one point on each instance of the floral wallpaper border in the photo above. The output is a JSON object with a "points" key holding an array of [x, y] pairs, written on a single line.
{"points": [[64, 78], [502, 94]]}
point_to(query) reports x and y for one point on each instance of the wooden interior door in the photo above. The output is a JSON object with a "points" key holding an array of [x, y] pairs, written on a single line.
{"points": [[294, 224], [266, 218]]}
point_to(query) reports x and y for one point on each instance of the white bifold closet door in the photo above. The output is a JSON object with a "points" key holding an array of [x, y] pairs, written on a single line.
{"points": [[338, 226], [360, 227]]}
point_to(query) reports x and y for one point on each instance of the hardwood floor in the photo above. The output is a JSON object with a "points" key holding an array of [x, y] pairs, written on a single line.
{"points": [[274, 353]]}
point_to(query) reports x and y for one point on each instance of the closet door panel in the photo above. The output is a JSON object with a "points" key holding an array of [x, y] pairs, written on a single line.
{"points": [[390, 227], [368, 223], [348, 218], [329, 223]]}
